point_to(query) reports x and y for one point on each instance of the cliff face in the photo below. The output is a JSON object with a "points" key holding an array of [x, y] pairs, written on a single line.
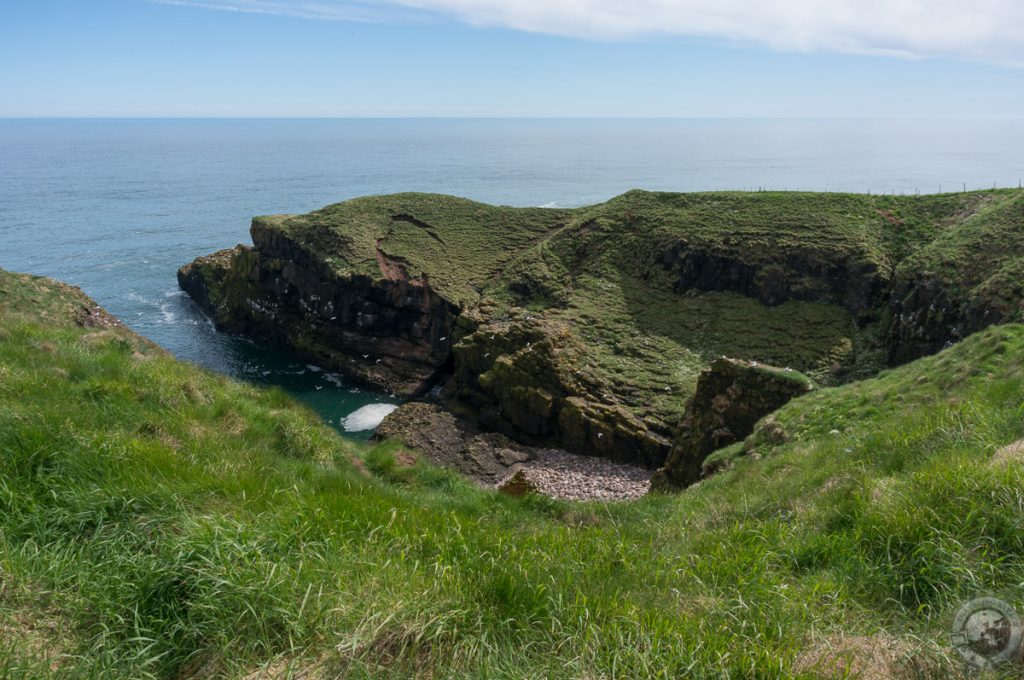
{"points": [[732, 395], [589, 329], [809, 273], [370, 288], [391, 332], [927, 317], [968, 277], [529, 378]]}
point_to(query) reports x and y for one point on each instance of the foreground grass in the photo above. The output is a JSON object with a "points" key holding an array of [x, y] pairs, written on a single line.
{"points": [[159, 521]]}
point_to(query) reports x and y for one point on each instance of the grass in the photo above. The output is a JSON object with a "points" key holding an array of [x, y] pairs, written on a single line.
{"points": [[464, 245], [460, 244], [980, 260], [157, 521], [651, 345]]}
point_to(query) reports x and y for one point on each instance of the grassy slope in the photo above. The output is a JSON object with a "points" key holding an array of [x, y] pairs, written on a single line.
{"points": [[156, 521], [982, 257], [652, 343], [461, 243], [627, 233]]}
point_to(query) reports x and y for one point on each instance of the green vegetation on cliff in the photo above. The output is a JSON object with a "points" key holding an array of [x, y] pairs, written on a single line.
{"points": [[460, 244], [586, 329], [159, 521]]}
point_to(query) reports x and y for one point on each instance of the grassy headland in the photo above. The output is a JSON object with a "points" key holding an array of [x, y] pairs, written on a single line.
{"points": [[628, 301]]}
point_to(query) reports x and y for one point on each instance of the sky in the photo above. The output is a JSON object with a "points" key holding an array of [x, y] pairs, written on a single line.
{"points": [[571, 58]]}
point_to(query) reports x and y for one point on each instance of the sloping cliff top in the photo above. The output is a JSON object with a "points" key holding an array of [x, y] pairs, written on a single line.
{"points": [[464, 246], [459, 244]]}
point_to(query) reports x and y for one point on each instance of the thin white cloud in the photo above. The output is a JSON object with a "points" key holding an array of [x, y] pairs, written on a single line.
{"points": [[991, 30], [333, 11]]}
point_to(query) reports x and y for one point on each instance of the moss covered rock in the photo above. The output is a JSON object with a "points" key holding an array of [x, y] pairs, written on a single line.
{"points": [[732, 395], [529, 377]]}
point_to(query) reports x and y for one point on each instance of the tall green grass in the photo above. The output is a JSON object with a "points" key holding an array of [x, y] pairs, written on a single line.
{"points": [[157, 521]]}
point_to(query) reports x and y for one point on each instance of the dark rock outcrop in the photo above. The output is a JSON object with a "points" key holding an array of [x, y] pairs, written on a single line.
{"points": [[732, 395], [927, 317], [446, 439], [803, 273], [528, 378], [969, 277], [391, 332]]}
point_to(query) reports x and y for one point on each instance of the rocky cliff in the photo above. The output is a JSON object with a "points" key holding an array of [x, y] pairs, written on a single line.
{"points": [[390, 333], [732, 395], [528, 376], [589, 329], [969, 277]]}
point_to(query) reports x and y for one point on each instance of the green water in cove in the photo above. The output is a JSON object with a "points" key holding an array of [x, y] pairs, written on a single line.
{"points": [[116, 206]]}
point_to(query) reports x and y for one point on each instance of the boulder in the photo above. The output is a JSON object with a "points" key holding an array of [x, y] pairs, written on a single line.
{"points": [[517, 484]]}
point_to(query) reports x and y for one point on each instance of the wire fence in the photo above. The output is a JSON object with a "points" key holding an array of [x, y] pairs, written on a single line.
{"points": [[916, 191]]}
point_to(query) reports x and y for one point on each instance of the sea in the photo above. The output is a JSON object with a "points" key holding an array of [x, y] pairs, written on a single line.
{"points": [[116, 206]]}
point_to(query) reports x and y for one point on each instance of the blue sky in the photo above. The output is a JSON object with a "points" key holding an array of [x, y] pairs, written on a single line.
{"points": [[509, 58]]}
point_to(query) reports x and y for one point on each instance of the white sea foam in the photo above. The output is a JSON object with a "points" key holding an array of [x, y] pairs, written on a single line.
{"points": [[168, 315], [367, 417]]}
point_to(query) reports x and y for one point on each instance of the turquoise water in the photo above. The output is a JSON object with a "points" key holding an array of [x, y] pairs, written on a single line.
{"points": [[116, 206]]}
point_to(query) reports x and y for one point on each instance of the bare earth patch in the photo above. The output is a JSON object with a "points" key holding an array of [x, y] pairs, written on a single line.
{"points": [[291, 669], [1011, 453], [40, 634], [360, 465], [404, 459], [874, 657]]}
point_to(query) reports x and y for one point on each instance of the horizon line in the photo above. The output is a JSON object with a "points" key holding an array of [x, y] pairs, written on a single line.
{"points": [[502, 117]]}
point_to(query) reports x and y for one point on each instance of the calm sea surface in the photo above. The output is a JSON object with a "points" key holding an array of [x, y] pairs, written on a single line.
{"points": [[116, 206]]}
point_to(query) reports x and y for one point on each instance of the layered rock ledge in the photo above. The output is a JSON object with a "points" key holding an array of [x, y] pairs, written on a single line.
{"points": [[389, 332]]}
